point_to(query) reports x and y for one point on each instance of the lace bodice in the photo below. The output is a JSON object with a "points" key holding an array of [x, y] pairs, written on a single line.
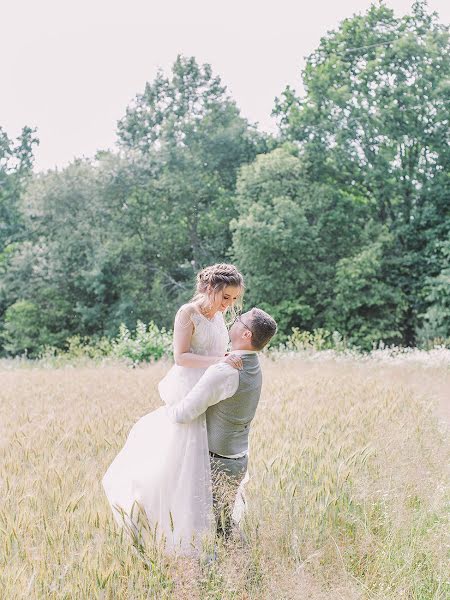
{"points": [[210, 336]]}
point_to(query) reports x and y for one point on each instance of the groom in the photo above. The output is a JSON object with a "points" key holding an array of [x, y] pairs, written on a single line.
{"points": [[229, 397]]}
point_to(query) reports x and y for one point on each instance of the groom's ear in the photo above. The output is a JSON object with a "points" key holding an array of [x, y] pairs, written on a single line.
{"points": [[247, 334]]}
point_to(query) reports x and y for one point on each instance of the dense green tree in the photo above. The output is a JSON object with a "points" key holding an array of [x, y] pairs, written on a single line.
{"points": [[290, 235], [436, 320], [56, 270], [374, 121], [367, 303], [191, 133], [16, 161]]}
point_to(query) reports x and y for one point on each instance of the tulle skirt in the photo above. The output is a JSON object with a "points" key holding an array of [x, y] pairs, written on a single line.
{"points": [[163, 472]]}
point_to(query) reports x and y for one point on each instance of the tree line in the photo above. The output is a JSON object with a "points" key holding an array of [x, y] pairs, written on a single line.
{"points": [[340, 221]]}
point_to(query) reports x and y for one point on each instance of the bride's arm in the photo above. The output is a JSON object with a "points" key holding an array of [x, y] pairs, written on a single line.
{"points": [[182, 334]]}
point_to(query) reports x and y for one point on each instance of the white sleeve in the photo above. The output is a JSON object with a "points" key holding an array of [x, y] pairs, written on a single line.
{"points": [[219, 381]]}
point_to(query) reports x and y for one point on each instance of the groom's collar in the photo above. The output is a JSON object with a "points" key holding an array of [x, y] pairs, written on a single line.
{"points": [[240, 352]]}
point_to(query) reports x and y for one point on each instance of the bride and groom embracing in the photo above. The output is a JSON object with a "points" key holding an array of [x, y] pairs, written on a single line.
{"points": [[183, 466]]}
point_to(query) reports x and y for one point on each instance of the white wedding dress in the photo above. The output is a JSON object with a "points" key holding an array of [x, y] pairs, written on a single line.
{"points": [[164, 467]]}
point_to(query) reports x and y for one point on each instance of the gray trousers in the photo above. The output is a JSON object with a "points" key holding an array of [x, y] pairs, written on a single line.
{"points": [[226, 474]]}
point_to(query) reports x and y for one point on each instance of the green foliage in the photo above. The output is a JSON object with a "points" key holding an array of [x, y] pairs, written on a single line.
{"points": [[193, 140], [85, 347], [23, 332], [148, 344], [145, 344], [368, 305], [340, 224], [16, 161], [54, 268], [77, 348], [436, 320], [289, 236], [374, 121], [318, 339]]}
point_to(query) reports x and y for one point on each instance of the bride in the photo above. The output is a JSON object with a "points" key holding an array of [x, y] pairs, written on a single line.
{"points": [[160, 481]]}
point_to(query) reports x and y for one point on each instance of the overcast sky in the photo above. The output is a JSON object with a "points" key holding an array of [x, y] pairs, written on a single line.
{"points": [[71, 67]]}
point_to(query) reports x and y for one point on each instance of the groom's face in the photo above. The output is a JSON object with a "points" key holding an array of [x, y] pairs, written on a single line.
{"points": [[241, 328]]}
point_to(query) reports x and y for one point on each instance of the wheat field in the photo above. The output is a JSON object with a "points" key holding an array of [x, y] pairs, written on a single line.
{"points": [[347, 496]]}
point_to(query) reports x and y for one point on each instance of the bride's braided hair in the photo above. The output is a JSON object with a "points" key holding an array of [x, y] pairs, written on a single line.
{"points": [[217, 277]]}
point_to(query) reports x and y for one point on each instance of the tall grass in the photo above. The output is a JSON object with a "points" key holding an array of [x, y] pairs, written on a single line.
{"points": [[347, 493]]}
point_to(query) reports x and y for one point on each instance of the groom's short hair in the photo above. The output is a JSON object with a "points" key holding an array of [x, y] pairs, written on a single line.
{"points": [[263, 328]]}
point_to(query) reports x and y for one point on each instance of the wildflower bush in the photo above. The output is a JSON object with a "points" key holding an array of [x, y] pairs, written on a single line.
{"points": [[318, 339], [77, 348], [322, 345], [147, 344]]}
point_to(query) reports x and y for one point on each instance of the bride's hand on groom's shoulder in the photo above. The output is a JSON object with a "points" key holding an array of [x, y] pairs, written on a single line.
{"points": [[233, 360]]}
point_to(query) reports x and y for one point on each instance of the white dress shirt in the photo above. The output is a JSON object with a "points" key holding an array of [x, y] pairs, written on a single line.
{"points": [[219, 381]]}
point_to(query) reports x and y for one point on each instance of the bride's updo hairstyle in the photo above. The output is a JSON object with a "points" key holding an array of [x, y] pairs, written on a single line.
{"points": [[212, 280]]}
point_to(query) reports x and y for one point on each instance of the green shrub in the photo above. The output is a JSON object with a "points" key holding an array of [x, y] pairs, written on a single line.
{"points": [[23, 332], [148, 344], [77, 348], [318, 339]]}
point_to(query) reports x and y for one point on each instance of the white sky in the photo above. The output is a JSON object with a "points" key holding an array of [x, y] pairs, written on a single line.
{"points": [[71, 67]]}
